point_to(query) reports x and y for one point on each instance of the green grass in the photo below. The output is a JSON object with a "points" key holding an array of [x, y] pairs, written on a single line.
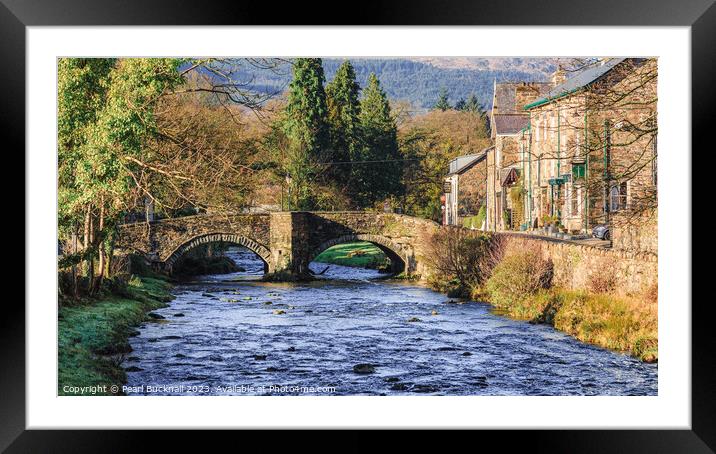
{"points": [[519, 287], [93, 337], [475, 222], [625, 324], [359, 254]]}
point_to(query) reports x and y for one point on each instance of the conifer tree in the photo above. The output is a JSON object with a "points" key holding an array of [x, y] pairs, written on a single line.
{"points": [[443, 103], [379, 177], [306, 126], [472, 105], [343, 117]]}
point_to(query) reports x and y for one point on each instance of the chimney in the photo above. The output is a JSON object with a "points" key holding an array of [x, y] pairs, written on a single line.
{"points": [[559, 76]]}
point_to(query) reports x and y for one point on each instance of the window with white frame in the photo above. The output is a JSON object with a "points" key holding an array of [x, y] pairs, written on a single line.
{"points": [[618, 196]]}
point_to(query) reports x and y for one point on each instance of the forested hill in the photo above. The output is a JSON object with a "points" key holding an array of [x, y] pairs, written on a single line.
{"points": [[413, 81]]}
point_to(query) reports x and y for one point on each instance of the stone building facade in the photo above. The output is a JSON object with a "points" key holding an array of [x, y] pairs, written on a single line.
{"points": [[465, 188], [591, 152], [504, 163]]}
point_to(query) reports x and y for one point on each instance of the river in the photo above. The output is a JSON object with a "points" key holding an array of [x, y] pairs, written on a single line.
{"points": [[222, 336]]}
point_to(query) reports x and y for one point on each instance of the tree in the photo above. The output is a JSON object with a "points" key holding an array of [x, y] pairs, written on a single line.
{"points": [[82, 88], [443, 103], [306, 127], [473, 105], [343, 116], [461, 105], [378, 176], [101, 141], [428, 142]]}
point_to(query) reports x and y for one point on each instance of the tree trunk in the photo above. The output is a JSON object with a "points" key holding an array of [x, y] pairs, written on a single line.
{"points": [[101, 249], [75, 250], [90, 283], [86, 240]]}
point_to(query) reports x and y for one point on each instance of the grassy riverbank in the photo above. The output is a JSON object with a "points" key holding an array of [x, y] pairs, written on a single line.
{"points": [[518, 282], [93, 336], [520, 286], [358, 254], [624, 324]]}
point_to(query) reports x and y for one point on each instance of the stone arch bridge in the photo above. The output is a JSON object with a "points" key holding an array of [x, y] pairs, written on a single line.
{"points": [[286, 241]]}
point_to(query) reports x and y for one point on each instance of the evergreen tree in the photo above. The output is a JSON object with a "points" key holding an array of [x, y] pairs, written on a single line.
{"points": [[306, 126], [472, 105], [443, 102], [376, 181], [343, 117], [461, 105]]}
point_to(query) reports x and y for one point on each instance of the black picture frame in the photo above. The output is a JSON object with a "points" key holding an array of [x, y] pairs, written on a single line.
{"points": [[700, 15]]}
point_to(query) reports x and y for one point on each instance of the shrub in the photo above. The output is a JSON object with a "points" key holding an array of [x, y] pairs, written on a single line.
{"points": [[463, 258], [521, 274], [602, 281]]}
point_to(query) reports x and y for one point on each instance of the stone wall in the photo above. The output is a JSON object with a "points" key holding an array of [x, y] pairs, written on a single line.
{"points": [[575, 264], [286, 241], [635, 233], [158, 240], [406, 235]]}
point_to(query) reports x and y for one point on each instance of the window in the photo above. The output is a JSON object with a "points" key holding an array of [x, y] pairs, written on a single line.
{"points": [[579, 170], [618, 197], [573, 201]]}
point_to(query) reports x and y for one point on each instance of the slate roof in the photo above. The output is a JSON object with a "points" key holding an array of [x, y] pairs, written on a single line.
{"points": [[505, 95], [510, 123], [462, 164], [509, 172], [511, 118], [578, 81]]}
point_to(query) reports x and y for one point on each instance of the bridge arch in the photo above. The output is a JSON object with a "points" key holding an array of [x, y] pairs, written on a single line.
{"points": [[398, 257], [258, 249]]}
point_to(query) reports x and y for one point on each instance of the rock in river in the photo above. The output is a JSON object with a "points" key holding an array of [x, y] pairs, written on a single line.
{"points": [[279, 312], [364, 368], [414, 319]]}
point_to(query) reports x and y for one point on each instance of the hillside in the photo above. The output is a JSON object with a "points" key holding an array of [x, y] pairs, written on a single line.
{"points": [[419, 82]]}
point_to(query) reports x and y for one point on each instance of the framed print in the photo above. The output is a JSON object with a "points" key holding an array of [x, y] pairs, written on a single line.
{"points": [[473, 216]]}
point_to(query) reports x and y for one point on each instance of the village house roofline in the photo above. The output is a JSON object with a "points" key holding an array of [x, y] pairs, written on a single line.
{"points": [[504, 97], [577, 82], [473, 159], [510, 124]]}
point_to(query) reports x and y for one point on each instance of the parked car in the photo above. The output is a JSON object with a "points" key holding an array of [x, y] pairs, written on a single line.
{"points": [[602, 232]]}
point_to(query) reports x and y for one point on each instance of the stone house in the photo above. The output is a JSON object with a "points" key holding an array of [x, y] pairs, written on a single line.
{"points": [[464, 188], [505, 160], [591, 152]]}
